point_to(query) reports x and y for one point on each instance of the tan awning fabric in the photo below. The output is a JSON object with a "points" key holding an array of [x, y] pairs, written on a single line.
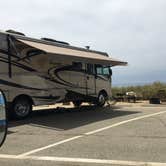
{"points": [[68, 52]]}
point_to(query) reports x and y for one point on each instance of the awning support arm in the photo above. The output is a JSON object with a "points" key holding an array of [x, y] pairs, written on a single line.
{"points": [[9, 57]]}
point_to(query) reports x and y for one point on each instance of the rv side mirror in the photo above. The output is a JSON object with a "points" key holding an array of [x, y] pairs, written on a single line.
{"points": [[110, 71], [3, 118]]}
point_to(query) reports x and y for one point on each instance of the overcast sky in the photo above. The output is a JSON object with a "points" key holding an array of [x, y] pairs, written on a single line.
{"points": [[130, 30]]}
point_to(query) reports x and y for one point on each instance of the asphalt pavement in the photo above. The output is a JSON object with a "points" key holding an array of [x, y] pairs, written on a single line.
{"points": [[123, 134]]}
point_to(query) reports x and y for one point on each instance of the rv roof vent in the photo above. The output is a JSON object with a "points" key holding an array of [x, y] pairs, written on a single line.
{"points": [[55, 41], [15, 32]]}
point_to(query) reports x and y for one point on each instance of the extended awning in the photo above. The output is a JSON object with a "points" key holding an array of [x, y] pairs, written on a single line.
{"points": [[83, 55]]}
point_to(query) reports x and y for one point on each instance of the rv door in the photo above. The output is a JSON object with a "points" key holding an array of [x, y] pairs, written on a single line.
{"points": [[90, 79]]}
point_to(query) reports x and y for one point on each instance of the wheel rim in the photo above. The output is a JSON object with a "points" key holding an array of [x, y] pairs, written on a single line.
{"points": [[101, 99], [22, 109]]}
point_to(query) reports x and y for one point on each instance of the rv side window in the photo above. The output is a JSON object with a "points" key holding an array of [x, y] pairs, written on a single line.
{"points": [[77, 65], [99, 70], [106, 71], [90, 68], [102, 70], [3, 42]]}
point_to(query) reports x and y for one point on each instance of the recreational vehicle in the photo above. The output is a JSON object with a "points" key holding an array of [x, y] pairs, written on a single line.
{"points": [[46, 71]]}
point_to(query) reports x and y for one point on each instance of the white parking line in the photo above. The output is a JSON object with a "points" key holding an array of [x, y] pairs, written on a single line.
{"points": [[8, 156], [49, 146], [84, 160], [94, 161], [88, 133]]}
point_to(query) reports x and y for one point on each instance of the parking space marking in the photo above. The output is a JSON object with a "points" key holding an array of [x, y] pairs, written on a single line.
{"points": [[94, 161], [83, 160], [88, 133], [49, 146], [7, 156]]}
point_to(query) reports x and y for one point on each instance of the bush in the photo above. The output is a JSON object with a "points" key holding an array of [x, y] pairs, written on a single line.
{"points": [[144, 92]]}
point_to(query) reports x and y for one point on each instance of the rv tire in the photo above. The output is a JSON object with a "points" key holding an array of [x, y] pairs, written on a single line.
{"points": [[21, 108], [102, 97]]}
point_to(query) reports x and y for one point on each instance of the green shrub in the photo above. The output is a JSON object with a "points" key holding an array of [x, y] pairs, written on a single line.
{"points": [[145, 92]]}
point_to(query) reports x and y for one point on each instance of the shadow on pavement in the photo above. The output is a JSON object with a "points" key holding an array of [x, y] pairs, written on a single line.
{"points": [[68, 118]]}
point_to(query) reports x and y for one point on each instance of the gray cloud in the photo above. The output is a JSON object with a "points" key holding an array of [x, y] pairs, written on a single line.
{"points": [[131, 30]]}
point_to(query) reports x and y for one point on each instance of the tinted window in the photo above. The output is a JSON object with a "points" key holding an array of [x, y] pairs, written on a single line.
{"points": [[99, 70], [105, 71], [77, 65], [3, 42]]}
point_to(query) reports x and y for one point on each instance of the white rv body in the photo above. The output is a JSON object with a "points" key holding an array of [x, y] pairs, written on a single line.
{"points": [[51, 72]]}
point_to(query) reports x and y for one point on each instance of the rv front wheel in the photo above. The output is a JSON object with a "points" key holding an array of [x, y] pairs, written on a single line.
{"points": [[21, 108], [101, 99]]}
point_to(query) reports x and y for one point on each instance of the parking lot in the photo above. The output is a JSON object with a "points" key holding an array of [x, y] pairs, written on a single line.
{"points": [[123, 134]]}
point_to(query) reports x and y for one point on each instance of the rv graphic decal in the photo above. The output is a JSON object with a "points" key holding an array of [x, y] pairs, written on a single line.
{"points": [[27, 68], [54, 73], [4, 82]]}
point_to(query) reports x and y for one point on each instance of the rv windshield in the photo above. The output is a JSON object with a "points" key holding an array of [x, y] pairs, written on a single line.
{"points": [[102, 70]]}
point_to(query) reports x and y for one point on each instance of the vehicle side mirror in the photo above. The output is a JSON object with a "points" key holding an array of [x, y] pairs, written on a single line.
{"points": [[3, 118], [110, 72]]}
